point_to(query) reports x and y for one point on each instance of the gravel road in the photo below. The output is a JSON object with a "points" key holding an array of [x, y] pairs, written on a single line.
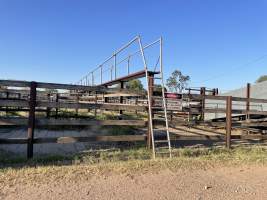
{"points": [[240, 182]]}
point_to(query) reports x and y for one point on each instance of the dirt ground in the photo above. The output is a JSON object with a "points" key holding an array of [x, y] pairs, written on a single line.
{"points": [[236, 182]]}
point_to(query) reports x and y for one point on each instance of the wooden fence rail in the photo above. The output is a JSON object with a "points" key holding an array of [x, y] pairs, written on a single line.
{"points": [[42, 102], [128, 138], [18, 121], [35, 100]]}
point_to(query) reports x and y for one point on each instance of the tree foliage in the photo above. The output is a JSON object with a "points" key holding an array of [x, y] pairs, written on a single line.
{"points": [[135, 85], [158, 88], [177, 81], [261, 79], [51, 91]]}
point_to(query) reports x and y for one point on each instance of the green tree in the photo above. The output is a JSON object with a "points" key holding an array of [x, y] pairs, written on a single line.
{"points": [[261, 79], [51, 90], [158, 88], [135, 85], [177, 81]]}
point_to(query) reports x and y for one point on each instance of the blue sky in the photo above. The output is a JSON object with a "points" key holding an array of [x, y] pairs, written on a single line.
{"points": [[219, 43]]}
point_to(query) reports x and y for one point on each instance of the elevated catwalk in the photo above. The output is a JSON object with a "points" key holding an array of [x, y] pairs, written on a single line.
{"points": [[136, 75]]}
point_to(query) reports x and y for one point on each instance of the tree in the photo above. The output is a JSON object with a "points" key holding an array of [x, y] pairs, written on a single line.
{"points": [[261, 79], [51, 91], [177, 81], [135, 85], [158, 88]]}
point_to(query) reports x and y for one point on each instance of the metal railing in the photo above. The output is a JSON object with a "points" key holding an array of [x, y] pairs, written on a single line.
{"points": [[96, 76]]}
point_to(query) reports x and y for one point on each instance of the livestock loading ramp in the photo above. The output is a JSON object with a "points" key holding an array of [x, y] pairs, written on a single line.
{"points": [[150, 75]]}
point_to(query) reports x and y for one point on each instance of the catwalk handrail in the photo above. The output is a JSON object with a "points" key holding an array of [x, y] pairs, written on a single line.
{"points": [[85, 79]]}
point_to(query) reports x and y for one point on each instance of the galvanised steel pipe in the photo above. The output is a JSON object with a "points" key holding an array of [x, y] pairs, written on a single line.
{"points": [[114, 56], [128, 65], [101, 74], [118, 51], [115, 66]]}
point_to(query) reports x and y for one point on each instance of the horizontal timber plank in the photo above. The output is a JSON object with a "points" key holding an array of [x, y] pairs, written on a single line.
{"points": [[217, 124], [8, 121], [111, 106], [21, 110], [14, 103], [14, 83], [125, 91], [65, 140], [254, 137], [124, 138], [211, 97], [71, 122], [13, 140], [255, 112], [222, 110], [84, 122], [198, 137], [199, 97], [259, 124], [257, 120], [70, 87], [254, 100]]}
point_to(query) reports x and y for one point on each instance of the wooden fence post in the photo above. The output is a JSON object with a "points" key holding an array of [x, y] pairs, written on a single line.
{"points": [[57, 99], [248, 104], [95, 104], [76, 109], [105, 98], [121, 99], [150, 90], [19, 97], [31, 120], [203, 93], [136, 102], [48, 109], [7, 97], [215, 91], [248, 101], [228, 121]]}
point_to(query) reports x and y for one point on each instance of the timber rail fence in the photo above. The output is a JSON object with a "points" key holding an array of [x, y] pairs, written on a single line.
{"points": [[34, 97], [231, 113], [32, 100]]}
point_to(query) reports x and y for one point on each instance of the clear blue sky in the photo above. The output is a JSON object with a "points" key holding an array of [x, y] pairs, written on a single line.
{"points": [[60, 40]]}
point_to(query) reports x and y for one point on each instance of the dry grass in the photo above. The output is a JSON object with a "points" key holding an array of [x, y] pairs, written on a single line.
{"points": [[86, 165]]}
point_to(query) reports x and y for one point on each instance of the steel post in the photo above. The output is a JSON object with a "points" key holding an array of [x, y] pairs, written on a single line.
{"points": [[111, 72], [128, 65], [115, 66], [101, 74]]}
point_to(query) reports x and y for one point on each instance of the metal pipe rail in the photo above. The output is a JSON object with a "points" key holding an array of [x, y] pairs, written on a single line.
{"points": [[89, 79]]}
